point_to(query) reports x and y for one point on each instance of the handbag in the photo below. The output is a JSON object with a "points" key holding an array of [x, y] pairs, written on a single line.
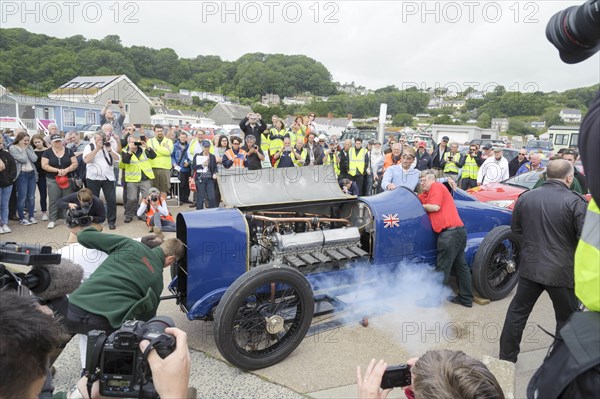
{"points": [[192, 182]]}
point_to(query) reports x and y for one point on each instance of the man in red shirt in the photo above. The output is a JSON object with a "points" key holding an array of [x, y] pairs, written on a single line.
{"points": [[452, 236]]}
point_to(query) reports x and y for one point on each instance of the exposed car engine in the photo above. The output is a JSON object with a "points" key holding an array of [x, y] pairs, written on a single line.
{"points": [[309, 241]]}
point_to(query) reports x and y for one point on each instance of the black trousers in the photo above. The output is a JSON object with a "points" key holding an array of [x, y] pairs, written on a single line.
{"points": [[109, 190], [77, 320], [360, 182], [564, 302], [451, 256], [467, 183], [184, 186]]}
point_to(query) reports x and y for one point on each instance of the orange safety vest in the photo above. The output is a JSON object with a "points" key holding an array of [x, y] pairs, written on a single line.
{"points": [[388, 161], [237, 162], [150, 215]]}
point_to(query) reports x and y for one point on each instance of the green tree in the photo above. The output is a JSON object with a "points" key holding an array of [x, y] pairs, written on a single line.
{"points": [[484, 120], [402, 120]]}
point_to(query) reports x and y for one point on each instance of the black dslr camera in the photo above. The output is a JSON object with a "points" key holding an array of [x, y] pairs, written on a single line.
{"points": [[117, 362], [79, 217]]}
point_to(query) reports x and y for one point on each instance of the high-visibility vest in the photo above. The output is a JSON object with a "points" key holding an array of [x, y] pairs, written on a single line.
{"points": [[470, 168], [264, 142], [451, 161], [388, 161], [150, 214], [303, 155], [587, 260], [336, 163], [163, 154], [237, 162], [137, 166], [276, 140], [356, 161], [193, 145]]}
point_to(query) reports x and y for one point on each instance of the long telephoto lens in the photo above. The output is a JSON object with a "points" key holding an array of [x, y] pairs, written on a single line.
{"points": [[575, 31]]}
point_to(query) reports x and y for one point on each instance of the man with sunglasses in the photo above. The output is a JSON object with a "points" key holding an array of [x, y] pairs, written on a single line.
{"points": [[517, 162], [470, 167], [402, 175]]}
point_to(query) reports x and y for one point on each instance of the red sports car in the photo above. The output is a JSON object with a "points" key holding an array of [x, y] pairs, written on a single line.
{"points": [[505, 193]]}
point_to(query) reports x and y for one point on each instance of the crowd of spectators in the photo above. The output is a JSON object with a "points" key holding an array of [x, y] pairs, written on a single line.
{"points": [[192, 159]]}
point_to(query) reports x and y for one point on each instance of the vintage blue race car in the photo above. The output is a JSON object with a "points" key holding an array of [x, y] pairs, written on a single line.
{"points": [[289, 238]]}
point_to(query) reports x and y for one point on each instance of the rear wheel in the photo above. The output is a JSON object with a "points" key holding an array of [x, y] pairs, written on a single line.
{"points": [[263, 316], [496, 263]]}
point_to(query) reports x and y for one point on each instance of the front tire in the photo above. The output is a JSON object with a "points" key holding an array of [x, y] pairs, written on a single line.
{"points": [[263, 316], [495, 268]]}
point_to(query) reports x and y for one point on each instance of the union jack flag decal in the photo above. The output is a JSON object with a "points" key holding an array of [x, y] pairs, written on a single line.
{"points": [[391, 221]]}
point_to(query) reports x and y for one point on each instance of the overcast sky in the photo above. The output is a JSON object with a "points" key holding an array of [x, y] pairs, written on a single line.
{"points": [[450, 44]]}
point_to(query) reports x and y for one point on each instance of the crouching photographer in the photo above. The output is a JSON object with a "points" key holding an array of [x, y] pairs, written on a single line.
{"points": [[84, 209], [155, 210]]}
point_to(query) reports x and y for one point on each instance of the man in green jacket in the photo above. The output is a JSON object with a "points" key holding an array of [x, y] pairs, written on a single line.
{"points": [[127, 285]]}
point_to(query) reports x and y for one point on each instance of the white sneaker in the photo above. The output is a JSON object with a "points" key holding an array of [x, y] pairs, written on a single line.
{"points": [[6, 229], [51, 225], [25, 222], [32, 220], [44, 216]]}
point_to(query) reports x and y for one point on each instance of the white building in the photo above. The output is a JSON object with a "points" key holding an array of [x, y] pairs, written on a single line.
{"points": [[570, 115]]}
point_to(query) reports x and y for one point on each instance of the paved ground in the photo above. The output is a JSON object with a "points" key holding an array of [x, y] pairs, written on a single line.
{"points": [[324, 365]]}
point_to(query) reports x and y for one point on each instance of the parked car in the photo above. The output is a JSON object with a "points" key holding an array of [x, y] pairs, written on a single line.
{"points": [[508, 153], [539, 145], [365, 135], [482, 142], [257, 265], [210, 130], [87, 131], [505, 193]]}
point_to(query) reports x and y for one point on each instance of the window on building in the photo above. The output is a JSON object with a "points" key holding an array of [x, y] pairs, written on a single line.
{"points": [[68, 118], [561, 139], [574, 140], [90, 118]]}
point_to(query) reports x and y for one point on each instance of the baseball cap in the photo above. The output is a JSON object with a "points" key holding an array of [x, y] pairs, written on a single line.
{"points": [[487, 146], [445, 138], [206, 143], [422, 144], [55, 137], [322, 137], [498, 149]]}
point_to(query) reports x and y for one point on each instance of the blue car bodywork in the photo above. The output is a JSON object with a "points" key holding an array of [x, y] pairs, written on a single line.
{"points": [[218, 241]]}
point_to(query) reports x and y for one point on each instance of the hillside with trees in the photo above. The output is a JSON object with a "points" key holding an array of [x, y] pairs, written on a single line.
{"points": [[36, 64]]}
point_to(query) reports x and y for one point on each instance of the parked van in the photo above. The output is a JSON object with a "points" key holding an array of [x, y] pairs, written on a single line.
{"points": [[209, 130]]}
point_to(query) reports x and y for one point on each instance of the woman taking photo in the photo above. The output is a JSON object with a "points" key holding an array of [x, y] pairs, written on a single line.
{"points": [[39, 146], [26, 176], [58, 162]]}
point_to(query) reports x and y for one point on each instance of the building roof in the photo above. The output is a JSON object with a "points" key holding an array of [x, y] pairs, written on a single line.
{"points": [[29, 100], [570, 111], [234, 111], [92, 86]]}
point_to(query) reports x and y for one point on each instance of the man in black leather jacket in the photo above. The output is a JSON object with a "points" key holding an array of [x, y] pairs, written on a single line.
{"points": [[550, 219]]}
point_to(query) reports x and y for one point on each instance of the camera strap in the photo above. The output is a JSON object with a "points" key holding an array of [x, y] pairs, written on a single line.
{"points": [[92, 371]]}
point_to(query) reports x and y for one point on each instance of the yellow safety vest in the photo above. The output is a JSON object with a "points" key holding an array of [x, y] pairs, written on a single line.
{"points": [[264, 142], [451, 161], [276, 142], [193, 145], [470, 168], [587, 260], [135, 168], [336, 162], [356, 161], [303, 155], [163, 154]]}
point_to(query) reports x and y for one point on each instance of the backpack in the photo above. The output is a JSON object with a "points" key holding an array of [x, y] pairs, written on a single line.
{"points": [[571, 368]]}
